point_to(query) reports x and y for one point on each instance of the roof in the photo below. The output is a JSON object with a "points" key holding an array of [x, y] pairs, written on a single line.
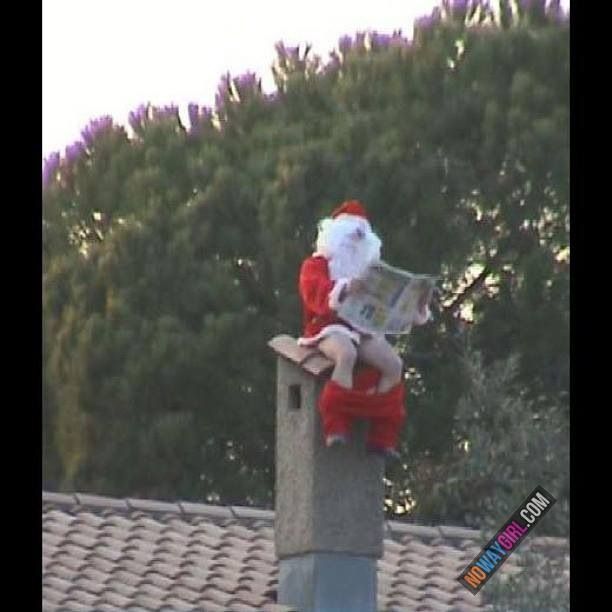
{"points": [[105, 553]]}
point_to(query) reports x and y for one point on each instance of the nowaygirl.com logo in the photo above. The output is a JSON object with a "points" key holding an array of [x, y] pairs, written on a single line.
{"points": [[506, 540]]}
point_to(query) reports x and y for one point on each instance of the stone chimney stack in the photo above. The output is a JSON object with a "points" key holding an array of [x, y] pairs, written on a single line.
{"points": [[329, 513]]}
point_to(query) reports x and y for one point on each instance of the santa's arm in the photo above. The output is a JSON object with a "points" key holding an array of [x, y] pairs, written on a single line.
{"points": [[320, 294]]}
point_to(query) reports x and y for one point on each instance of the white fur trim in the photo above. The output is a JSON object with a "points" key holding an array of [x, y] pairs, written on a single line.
{"points": [[358, 219], [326, 331], [334, 294]]}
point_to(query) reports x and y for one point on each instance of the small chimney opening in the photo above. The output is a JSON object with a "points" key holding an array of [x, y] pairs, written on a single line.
{"points": [[295, 397]]}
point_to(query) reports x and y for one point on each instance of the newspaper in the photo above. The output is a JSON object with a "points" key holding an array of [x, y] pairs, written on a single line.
{"points": [[389, 302]]}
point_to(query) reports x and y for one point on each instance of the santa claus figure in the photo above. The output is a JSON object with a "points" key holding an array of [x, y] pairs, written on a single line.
{"points": [[346, 245]]}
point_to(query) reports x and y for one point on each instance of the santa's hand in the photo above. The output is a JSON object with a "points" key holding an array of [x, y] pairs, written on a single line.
{"points": [[425, 299]]}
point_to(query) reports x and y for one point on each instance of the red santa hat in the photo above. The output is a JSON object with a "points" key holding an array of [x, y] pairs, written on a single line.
{"points": [[350, 207]]}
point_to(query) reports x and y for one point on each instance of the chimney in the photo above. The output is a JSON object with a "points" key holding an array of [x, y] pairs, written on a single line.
{"points": [[329, 512]]}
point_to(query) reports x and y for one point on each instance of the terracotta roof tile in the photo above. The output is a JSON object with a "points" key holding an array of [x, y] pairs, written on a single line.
{"points": [[244, 534], [61, 571], [80, 539], [144, 600], [399, 605], [83, 596], [105, 607], [166, 570], [120, 587], [132, 566], [87, 584], [406, 591], [138, 548], [106, 554], [413, 566], [265, 532], [57, 583], [76, 564], [215, 595], [90, 518], [149, 587], [236, 605], [196, 570], [445, 582], [53, 540], [57, 521], [73, 605], [176, 604], [444, 596], [188, 591], [129, 579], [53, 595], [433, 606]]}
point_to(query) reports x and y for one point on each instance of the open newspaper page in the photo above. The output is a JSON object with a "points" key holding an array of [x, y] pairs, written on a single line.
{"points": [[389, 303]]}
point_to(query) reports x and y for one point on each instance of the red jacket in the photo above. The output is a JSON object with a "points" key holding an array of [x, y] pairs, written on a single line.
{"points": [[319, 295]]}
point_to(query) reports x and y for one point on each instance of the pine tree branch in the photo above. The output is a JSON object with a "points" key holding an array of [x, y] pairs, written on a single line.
{"points": [[468, 291], [474, 286]]}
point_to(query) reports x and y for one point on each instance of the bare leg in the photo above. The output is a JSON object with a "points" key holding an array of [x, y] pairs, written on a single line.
{"points": [[377, 352], [341, 350]]}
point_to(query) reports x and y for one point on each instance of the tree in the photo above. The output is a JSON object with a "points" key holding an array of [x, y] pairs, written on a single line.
{"points": [[504, 446], [171, 254]]}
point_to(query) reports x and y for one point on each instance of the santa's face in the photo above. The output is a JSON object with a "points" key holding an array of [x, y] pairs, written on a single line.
{"points": [[349, 244]]}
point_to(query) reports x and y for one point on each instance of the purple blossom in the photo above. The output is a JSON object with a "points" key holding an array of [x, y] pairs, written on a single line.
{"points": [[287, 54], [224, 91], [334, 63], [74, 151], [138, 117], [380, 40], [528, 5], [95, 128], [236, 89], [458, 10], [459, 6], [193, 110], [555, 11], [384, 41], [427, 21], [247, 82], [423, 22], [397, 40], [345, 44], [198, 115], [50, 168], [360, 40], [166, 112]]}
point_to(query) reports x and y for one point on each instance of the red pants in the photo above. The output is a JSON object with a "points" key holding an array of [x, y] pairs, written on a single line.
{"points": [[385, 411]]}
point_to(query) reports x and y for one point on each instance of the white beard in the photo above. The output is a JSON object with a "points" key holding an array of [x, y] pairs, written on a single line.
{"points": [[347, 258]]}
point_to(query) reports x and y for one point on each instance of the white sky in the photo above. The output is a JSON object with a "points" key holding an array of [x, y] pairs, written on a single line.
{"points": [[106, 57]]}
